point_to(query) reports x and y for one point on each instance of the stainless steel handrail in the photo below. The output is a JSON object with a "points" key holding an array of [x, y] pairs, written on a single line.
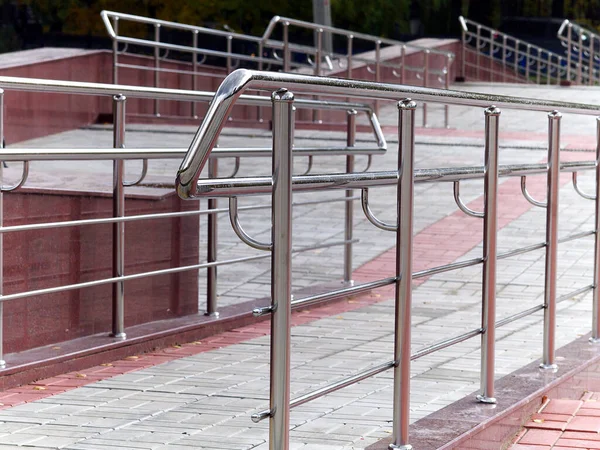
{"points": [[282, 183], [586, 45], [120, 153], [314, 55], [537, 62], [242, 79]]}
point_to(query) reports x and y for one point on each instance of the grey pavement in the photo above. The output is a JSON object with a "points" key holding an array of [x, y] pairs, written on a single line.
{"points": [[205, 401]]}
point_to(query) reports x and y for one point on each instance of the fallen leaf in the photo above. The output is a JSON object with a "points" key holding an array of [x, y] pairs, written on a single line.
{"points": [[197, 342], [39, 388], [538, 420], [352, 301], [55, 348], [81, 375], [176, 346], [106, 365], [132, 358]]}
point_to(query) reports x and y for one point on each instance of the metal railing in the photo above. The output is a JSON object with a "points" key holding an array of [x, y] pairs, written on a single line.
{"points": [[282, 183], [582, 47], [120, 153], [498, 56], [266, 53]]}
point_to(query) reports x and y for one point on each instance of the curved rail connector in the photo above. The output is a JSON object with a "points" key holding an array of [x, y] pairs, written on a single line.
{"points": [[24, 176], [364, 201], [309, 166], [579, 191], [142, 176], [244, 237], [528, 197], [464, 208]]}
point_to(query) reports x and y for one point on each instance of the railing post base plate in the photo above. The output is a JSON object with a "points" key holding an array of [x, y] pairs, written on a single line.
{"points": [[487, 400], [214, 315], [593, 340], [553, 367], [400, 447], [121, 336]]}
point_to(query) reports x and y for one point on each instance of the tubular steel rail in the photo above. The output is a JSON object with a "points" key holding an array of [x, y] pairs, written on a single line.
{"points": [[282, 182], [582, 47], [266, 53], [119, 154], [509, 59]]}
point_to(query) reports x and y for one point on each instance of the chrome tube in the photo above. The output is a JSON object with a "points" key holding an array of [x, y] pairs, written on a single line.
{"points": [[317, 72], [477, 47], [349, 56], [425, 84], [349, 206], [286, 47], [281, 269], [596, 294], [548, 361], [569, 49], [591, 68], [449, 60], [490, 255], [2, 361], [115, 48], [194, 70], [463, 62], [118, 228], [211, 247], [580, 58], [377, 70], [156, 67], [403, 291]]}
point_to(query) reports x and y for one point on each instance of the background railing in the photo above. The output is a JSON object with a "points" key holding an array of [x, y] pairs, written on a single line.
{"points": [[385, 58], [582, 47], [491, 55], [282, 183], [119, 154]]}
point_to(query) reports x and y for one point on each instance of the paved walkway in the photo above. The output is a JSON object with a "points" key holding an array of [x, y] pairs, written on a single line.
{"points": [[201, 394], [563, 424]]}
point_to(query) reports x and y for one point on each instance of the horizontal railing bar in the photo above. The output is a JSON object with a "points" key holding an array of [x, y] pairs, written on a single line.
{"points": [[106, 220], [522, 250], [99, 154], [447, 267], [579, 291], [169, 271], [335, 386], [330, 295], [103, 89], [518, 316], [572, 237], [445, 343], [227, 187]]}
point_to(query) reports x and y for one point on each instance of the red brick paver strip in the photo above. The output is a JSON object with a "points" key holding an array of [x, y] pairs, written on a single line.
{"points": [[581, 431]]}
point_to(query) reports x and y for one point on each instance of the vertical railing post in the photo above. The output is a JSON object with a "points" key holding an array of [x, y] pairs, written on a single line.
{"points": [[425, 84], [403, 62], [527, 60], [349, 56], [548, 361], [517, 59], [211, 246], [281, 269], [463, 62], [349, 205], [449, 60], [591, 69], [490, 230], [194, 70], [286, 47], [595, 338], [549, 70], [569, 50], [115, 46], [504, 59], [156, 66], [318, 60], [229, 52], [118, 228], [403, 291], [478, 48], [2, 361], [538, 64], [377, 70], [580, 58], [261, 50]]}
